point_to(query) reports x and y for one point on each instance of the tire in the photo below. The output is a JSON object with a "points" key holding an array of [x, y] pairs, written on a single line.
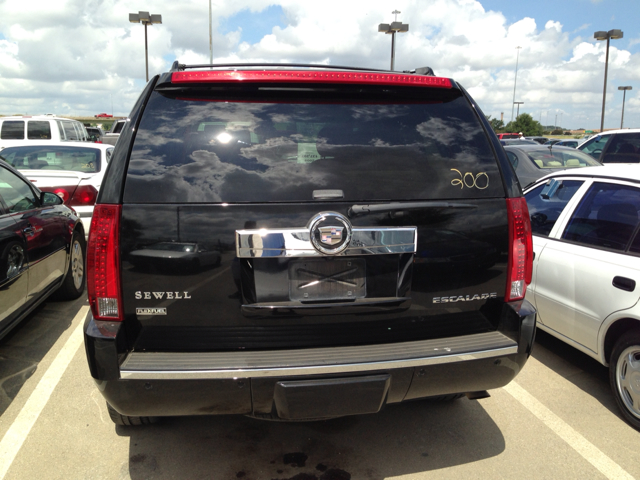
{"points": [[129, 421], [624, 376], [73, 285]]}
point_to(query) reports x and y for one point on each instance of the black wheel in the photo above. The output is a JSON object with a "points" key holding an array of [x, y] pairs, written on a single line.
{"points": [[74, 280], [12, 259], [624, 375], [129, 421]]}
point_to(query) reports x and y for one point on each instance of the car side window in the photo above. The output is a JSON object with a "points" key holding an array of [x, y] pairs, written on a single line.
{"points": [[12, 130], [547, 201], [606, 217], [595, 146], [513, 158], [15, 192]]}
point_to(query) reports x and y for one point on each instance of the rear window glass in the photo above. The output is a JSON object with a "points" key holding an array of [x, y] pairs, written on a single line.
{"points": [[551, 158], [208, 150], [78, 159], [12, 130], [37, 130]]}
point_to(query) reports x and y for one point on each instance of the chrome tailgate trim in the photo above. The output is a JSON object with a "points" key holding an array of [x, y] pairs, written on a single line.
{"points": [[314, 361]]}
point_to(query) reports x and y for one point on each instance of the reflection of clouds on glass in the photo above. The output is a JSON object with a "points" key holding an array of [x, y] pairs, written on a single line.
{"points": [[448, 131], [370, 113]]}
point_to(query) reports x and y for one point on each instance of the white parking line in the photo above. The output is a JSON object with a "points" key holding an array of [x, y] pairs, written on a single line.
{"points": [[21, 426], [584, 447]]}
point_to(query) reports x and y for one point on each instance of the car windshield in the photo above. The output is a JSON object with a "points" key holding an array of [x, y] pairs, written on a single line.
{"points": [[39, 157], [556, 158]]}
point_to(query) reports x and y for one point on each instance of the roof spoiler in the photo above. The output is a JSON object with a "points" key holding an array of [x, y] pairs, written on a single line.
{"points": [[179, 67]]}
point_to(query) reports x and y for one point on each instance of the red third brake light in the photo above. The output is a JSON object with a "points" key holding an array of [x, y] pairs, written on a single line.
{"points": [[520, 249], [308, 76], [103, 264]]}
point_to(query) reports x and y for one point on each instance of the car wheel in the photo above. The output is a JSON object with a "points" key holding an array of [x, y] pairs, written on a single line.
{"points": [[127, 420], [624, 375], [73, 284], [13, 256]]}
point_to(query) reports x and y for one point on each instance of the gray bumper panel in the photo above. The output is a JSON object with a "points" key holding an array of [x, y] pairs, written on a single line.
{"points": [[315, 361]]}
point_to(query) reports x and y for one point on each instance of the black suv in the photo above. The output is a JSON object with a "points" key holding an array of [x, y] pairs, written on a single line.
{"points": [[301, 242]]}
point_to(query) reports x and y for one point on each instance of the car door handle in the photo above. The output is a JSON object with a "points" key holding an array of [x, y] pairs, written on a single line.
{"points": [[29, 231], [624, 283]]}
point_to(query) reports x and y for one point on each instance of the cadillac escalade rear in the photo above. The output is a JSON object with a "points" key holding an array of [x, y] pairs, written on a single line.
{"points": [[305, 242]]}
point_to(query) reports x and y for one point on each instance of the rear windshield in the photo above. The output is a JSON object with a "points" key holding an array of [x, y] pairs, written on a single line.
{"points": [[78, 159], [206, 149], [553, 158]]}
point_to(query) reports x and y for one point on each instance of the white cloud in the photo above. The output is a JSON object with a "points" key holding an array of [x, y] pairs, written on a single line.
{"points": [[76, 56]]}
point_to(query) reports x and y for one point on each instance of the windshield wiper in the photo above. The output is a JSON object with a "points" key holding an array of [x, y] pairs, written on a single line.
{"points": [[355, 210]]}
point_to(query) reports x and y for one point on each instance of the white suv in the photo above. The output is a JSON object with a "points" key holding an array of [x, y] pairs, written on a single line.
{"points": [[16, 130]]}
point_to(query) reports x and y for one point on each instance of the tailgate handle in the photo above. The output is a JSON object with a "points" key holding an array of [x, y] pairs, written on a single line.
{"points": [[624, 283]]}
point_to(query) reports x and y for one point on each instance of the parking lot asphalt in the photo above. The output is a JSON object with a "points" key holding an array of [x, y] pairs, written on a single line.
{"points": [[558, 419]]}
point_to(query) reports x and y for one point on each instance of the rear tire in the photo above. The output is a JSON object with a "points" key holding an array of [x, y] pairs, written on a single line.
{"points": [[73, 285], [127, 420], [624, 376]]}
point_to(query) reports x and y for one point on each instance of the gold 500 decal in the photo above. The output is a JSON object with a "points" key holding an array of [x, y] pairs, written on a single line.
{"points": [[470, 180]]}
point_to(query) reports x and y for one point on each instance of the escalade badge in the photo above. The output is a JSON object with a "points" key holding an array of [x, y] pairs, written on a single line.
{"points": [[330, 232]]}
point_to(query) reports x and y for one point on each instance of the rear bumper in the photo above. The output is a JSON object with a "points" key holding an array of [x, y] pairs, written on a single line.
{"points": [[342, 380]]}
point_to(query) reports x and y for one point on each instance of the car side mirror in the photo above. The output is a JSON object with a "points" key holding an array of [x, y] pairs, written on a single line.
{"points": [[48, 199]]}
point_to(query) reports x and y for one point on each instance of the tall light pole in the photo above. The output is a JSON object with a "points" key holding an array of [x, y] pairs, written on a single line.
{"points": [[210, 37], [146, 19], [624, 94], [518, 111], [515, 80], [392, 29], [600, 35]]}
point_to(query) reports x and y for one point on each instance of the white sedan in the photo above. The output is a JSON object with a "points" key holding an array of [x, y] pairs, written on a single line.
{"points": [[586, 270], [71, 170]]}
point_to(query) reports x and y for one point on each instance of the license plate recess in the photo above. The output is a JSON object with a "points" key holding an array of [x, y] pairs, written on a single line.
{"points": [[327, 279]]}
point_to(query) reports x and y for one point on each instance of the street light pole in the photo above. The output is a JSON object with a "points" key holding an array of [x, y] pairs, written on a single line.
{"points": [[518, 111], [515, 80], [146, 19], [624, 94], [392, 29], [601, 35], [210, 37]]}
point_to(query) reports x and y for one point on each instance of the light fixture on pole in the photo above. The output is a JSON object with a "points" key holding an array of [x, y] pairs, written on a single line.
{"points": [[600, 35], [146, 19], [624, 94], [515, 80], [518, 112], [392, 29]]}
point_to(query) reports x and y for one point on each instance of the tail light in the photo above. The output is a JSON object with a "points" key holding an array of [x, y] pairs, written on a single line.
{"points": [[520, 249], [103, 264], [75, 196], [83, 196]]}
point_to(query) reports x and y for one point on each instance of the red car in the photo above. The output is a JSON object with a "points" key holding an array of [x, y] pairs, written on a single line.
{"points": [[103, 115]]}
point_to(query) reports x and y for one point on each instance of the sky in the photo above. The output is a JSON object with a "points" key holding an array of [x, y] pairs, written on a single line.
{"points": [[83, 57]]}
